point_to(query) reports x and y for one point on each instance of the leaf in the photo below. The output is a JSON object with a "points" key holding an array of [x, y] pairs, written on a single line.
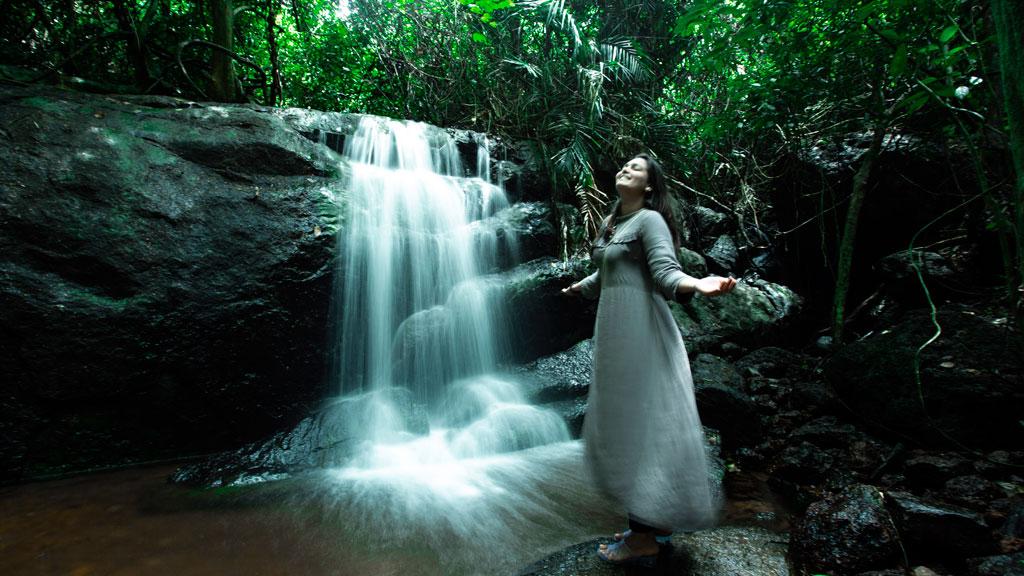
{"points": [[948, 32], [899, 61], [478, 37]]}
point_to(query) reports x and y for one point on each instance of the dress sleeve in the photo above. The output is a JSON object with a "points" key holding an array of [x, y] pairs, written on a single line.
{"points": [[590, 286], [661, 256]]}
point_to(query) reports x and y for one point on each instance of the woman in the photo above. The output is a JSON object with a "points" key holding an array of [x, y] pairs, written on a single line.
{"points": [[644, 441]]}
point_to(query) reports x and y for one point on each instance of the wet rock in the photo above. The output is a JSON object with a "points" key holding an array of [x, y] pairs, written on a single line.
{"points": [[1002, 565], [692, 263], [725, 551], [708, 369], [543, 320], [572, 410], [801, 465], [971, 380], [996, 463], [166, 275], [845, 533], [520, 233], [722, 403], [900, 277], [813, 396], [328, 438], [971, 490], [721, 258], [563, 375], [930, 530], [754, 310], [827, 432], [933, 469], [707, 222], [773, 362], [1012, 511]]}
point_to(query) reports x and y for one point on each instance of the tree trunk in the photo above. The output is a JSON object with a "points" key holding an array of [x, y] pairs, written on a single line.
{"points": [[276, 86], [136, 46], [1008, 16], [845, 261], [224, 81]]}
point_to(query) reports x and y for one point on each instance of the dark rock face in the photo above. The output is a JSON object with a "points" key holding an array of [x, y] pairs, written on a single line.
{"points": [[542, 320], [722, 257], [754, 310], [722, 401], [933, 469], [971, 380], [166, 278], [328, 438], [845, 533], [1003, 565], [900, 277], [560, 382], [932, 530], [561, 376], [530, 225]]}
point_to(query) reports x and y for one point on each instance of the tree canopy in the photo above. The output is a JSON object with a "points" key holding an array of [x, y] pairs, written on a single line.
{"points": [[719, 89]]}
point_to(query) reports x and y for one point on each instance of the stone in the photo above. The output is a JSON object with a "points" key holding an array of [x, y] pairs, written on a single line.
{"points": [[754, 311], [931, 530], [1001, 565], [167, 272], [519, 233], [901, 280], [722, 257], [692, 263], [707, 222], [563, 375], [846, 532], [971, 490], [326, 439], [774, 362], [721, 551], [542, 320], [971, 380], [722, 402], [932, 469]]}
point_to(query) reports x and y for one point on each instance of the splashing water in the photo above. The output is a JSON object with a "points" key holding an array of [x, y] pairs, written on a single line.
{"points": [[415, 314]]}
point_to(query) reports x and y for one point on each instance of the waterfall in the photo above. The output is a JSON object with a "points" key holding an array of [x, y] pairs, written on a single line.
{"points": [[417, 321]]}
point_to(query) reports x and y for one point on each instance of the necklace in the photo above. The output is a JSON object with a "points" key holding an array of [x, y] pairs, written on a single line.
{"points": [[610, 231]]}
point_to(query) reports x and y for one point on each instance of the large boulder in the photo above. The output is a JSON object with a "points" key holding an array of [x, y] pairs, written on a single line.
{"points": [[755, 310], [167, 269], [543, 320], [845, 533], [723, 402], [970, 379], [934, 530]]}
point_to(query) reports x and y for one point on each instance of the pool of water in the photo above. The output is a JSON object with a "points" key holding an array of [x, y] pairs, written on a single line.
{"points": [[489, 516]]}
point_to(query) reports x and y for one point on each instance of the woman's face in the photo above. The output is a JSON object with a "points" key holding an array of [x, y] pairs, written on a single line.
{"points": [[632, 177]]}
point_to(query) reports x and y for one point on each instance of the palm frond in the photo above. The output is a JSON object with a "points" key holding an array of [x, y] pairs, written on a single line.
{"points": [[624, 61]]}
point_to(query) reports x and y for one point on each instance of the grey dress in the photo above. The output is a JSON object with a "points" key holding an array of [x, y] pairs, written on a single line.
{"points": [[644, 443]]}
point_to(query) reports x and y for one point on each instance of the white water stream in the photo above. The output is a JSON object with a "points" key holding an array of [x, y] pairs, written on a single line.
{"points": [[413, 312]]}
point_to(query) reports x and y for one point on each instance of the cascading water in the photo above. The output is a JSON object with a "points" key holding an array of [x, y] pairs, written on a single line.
{"points": [[443, 440]]}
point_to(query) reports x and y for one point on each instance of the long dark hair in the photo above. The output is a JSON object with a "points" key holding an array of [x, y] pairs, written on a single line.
{"points": [[657, 199]]}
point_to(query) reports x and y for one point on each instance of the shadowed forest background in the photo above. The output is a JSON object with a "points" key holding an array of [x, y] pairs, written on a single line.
{"points": [[178, 198]]}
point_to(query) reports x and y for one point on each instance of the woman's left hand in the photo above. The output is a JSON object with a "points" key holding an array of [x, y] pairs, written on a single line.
{"points": [[715, 285]]}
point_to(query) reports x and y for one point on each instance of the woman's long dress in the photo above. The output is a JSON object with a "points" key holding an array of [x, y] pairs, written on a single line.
{"points": [[644, 442]]}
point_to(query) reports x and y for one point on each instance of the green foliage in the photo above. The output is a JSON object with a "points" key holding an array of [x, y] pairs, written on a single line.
{"points": [[718, 89]]}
